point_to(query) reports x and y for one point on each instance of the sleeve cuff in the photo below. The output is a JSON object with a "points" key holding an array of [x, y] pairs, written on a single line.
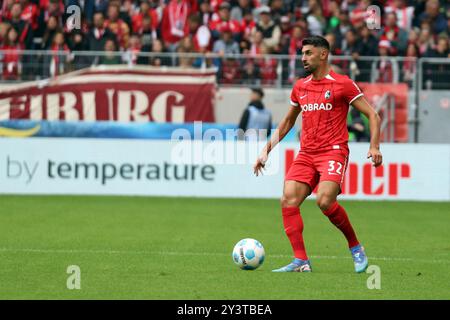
{"points": [[295, 104], [356, 97]]}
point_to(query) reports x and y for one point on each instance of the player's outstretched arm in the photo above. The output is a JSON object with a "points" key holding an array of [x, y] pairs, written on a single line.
{"points": [[364, 107], [283, 128]]}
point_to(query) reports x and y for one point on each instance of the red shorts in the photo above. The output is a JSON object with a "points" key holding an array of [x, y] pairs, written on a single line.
{"points": [[314, 167]]}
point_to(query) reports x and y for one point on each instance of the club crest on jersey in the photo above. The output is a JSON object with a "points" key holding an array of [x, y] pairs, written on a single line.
{"points": [[328, 94]]}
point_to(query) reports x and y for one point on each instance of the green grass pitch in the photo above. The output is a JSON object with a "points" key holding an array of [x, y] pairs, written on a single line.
{"points": [[180, 248]]}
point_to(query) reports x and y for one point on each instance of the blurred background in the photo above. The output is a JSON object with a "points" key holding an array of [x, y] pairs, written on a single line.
{"points": [[104, 101], [250, 43], [142, 69]]}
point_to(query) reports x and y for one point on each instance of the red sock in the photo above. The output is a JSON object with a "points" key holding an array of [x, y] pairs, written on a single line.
{"points": [[293, 226], [339, 218]]}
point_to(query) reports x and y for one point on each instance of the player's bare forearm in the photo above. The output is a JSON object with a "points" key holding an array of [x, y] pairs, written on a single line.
{"points": [[365, 108], [282, 129], [374, 126]]}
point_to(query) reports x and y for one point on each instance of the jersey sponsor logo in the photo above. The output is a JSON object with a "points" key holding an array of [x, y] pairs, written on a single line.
{"points": [[316, 107]]}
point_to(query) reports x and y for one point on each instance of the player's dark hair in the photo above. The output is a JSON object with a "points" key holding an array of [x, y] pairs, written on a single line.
{"points": [[316, 41]]}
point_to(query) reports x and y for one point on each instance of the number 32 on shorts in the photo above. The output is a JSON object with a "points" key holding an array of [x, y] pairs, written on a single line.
{"points": [[335, 167]]}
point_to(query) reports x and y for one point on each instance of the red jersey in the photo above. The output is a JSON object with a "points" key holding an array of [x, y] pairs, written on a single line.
{"points": [[324, 105]]}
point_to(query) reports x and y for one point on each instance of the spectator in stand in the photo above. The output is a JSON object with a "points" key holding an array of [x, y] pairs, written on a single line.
{"points": [[200, 34], [30, 13], [11, 59], [315, 18], [359, 14], [237, 12], [251, 75], [425, 41], [397, 37], [226, 44], [278, 10], [111, 57], [99, 34], [285, 41], [413, 36], [132, 56], [247, 25], [215, 5], [333, 21], [285, 27], [438, 73], [342, 28], [60, 55], [201, 39], [101, 6], [147, 32], [267, 66], [224, 22], [126, 10], [440, 50], [270, 30], [159, 60], [301, 22], [385, 70], [49, 8], [6, 9], [410, 64], [367, 43], [350, 44], [349, 5], [257, 42], [334, 49], [293, 68], [77, 42], [22, 27], [295, 41], [365, 46], [448, 23], [433, 15], [144, 11], [205, 12], [230, 71], [184, 60], [117, 25], [404, 13], [174, 23], [53, 26], [48, 5], [4, 28], [335, 52]]}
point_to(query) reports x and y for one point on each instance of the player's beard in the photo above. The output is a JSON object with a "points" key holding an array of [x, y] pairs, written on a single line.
{"points": [[310, 69]]}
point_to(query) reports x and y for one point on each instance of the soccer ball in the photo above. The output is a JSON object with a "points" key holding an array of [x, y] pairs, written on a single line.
{"points": [[248, 254]]}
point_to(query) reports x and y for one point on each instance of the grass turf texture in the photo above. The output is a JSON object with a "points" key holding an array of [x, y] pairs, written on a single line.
{"points": [[167, 248]]}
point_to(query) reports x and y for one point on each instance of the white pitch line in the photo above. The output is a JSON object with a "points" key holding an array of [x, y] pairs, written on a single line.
{"points": [[174, 253]]}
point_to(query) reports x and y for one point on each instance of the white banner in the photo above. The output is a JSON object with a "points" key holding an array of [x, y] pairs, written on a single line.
{"points": [[215, 169]]}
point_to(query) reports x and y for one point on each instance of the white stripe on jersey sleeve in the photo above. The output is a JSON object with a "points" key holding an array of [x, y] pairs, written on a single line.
{"points": [[356, 86], [356, 97], [293, 103]]}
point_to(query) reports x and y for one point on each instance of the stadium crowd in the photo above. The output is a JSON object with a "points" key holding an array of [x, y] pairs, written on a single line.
{"points": [[251, 27]]}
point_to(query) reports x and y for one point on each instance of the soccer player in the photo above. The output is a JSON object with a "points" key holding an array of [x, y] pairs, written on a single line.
{"points": [[324, 98]]}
